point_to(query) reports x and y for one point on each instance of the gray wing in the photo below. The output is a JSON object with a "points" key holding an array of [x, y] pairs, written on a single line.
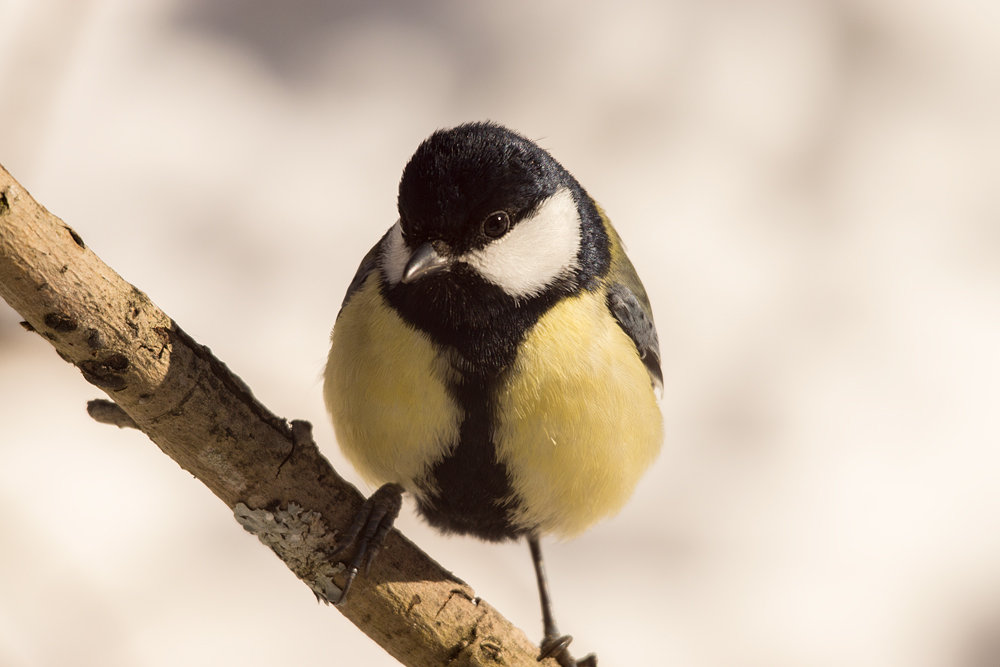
{"points": [[368, 265], [629, 304], [635, 319]]}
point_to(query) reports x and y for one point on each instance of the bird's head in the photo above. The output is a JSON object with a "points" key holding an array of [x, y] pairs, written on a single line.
{"points": [[483, 208]]}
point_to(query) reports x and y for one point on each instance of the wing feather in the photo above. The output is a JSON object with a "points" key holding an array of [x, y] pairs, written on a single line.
{"points": [[369, 264], [629, 304]]}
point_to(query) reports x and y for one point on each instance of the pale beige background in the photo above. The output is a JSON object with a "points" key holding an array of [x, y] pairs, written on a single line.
{"points": [[809, 189]]}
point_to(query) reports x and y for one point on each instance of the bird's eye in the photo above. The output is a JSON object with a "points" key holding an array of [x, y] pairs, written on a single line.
{"points": [[496, 224]]}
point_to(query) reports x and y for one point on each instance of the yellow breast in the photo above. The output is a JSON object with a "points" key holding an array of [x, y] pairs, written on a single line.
{"points": [[579, 422], [385, 389]]}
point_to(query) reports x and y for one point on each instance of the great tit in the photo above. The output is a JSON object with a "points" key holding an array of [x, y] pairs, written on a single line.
{"points": [[495, 355]]}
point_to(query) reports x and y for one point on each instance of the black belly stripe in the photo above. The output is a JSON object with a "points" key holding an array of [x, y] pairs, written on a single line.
{"points": [[471, 484]]}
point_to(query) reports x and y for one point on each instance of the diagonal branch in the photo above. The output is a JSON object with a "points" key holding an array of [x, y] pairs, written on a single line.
{"points": [[207, 420]]}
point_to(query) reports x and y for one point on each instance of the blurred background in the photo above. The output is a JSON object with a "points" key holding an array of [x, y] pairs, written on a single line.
{"points": [[808, 188]]}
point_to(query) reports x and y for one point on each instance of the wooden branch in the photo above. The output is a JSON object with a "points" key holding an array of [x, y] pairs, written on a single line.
{"points": [[206, 419]]}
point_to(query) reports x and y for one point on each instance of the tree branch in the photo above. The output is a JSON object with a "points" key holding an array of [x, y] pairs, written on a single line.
{"points": [[207, 420]]}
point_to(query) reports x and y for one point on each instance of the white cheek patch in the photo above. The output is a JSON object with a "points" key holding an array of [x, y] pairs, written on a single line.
{"points": [[395, 255], [536, 252]]}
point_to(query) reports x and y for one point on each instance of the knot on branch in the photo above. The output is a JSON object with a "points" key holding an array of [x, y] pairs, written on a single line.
{"points": [[109, 412]]}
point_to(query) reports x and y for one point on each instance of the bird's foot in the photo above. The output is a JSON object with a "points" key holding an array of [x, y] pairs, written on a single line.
{"points": [[558, 647], [554, 646], [369, 530]]}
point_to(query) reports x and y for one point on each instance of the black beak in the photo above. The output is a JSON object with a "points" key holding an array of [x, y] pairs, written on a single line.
{"points": [[425, 262]]}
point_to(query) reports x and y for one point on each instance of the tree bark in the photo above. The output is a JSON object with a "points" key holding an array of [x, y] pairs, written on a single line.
{"points": [[206, 419]]}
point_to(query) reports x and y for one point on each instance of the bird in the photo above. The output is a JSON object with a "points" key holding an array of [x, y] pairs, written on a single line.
{"points": [[495, 356]]}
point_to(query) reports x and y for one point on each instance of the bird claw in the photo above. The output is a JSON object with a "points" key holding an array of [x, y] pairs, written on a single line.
{"points": [[368, 531], [558, 648], [553, 646]]}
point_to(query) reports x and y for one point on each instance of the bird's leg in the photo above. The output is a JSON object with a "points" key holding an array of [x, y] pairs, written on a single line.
{"points": [[371, 525], [553, 645]]}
